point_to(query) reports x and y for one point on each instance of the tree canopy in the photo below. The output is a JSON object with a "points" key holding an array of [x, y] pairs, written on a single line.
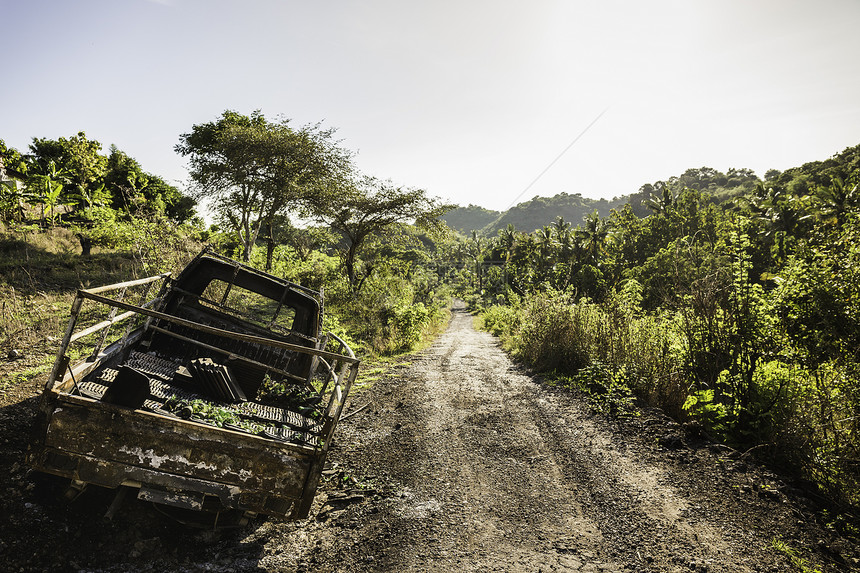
{"points": [[369, 205], [250, 169]]}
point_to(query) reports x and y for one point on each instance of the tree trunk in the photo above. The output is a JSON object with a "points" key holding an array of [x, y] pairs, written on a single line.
{"points": [[86, 245], [252, 239], [349, 263], [270, 246]]}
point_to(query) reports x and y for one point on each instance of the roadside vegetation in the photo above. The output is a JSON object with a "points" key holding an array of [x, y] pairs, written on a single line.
{"points": [[736, 313]]}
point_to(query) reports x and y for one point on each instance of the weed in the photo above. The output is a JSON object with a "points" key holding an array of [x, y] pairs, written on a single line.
{"points": [[794, 556], [608, 389]]}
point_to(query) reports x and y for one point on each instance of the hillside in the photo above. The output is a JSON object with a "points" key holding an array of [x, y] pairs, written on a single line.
{"points": [[471, 218], [532, 215], [529, 215], [539, 211]]}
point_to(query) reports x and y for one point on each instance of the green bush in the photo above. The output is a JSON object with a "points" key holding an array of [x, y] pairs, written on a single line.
{"points": [[498, 319], [552, 333], [549, 332], [609, 389]]}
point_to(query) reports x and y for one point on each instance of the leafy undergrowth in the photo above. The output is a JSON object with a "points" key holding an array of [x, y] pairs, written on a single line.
{"points": [[607, 388]]}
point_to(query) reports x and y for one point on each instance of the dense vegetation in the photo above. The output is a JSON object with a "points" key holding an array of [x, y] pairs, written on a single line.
{"points": [[740, 316], [733, 303]]}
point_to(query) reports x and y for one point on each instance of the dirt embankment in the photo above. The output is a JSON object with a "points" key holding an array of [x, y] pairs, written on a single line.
{"points": [[461, 462]]}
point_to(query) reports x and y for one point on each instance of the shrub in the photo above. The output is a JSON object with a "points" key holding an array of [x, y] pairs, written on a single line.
{"points": [[553, 333], [498, 319], [608, 388], [409, 323]]}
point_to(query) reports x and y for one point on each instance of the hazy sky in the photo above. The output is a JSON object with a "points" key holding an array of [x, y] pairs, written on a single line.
{"points": [[468, 99]]}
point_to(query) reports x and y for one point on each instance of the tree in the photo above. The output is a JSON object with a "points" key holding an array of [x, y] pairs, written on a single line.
{"points": [[47, 187], [779, 212], [251, 169], [658, 203], [508, 240], [127, 187], [593, 237], [77, 157], [836, 200], [12, 176], [305, 166], [369, 205]]}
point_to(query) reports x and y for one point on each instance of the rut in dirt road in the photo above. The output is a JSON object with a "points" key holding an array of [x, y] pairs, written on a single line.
{"points": [[501, 473]]}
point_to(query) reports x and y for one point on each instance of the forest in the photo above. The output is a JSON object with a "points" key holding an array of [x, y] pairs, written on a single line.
{"points": [[730, 302]]}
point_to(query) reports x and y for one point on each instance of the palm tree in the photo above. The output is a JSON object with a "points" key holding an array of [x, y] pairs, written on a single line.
{"points": [[778, 211], [564, 236], [546, 242], [561, 227], [508, 240], [837, 200], [593, 236]]}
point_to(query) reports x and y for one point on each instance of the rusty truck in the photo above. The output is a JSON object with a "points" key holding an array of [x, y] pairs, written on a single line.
{"points": [[215, 391]]}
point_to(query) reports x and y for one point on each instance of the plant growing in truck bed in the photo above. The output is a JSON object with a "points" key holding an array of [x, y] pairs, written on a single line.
{"points": [[297, 398], [201, 410]]}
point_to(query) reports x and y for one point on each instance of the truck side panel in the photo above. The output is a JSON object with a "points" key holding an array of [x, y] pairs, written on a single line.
{"points": [[107, 445]]}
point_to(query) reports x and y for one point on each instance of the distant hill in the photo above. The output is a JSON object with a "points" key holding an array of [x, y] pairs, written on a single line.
{"points": [[529, 215], [471, 218], [532, 215]]}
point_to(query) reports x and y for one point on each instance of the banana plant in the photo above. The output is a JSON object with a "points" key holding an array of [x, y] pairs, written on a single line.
{"points": [[12, 200], [47, 189]]}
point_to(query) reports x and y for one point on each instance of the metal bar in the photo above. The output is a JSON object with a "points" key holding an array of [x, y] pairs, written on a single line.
{"points": [[331, 367], [110, 319], [137, 282], [105, 323], [230, 284], [225, 333], [321, 344], [64, 345], [343, 346], [280, 306], [142, 303]]}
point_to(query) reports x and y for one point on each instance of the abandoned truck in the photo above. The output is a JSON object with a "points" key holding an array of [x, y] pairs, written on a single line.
{"points": [[217, 393]]}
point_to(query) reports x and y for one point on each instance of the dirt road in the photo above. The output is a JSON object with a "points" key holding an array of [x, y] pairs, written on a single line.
{"points": [[485, 469], [460, 461]]}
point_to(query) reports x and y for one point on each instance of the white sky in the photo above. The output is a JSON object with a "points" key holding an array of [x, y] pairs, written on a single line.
{"points": [[468, 99]]}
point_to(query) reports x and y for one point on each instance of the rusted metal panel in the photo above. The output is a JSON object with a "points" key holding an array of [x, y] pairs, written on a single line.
{"points": [[184, 500], [86, 469], [177, 447]]}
